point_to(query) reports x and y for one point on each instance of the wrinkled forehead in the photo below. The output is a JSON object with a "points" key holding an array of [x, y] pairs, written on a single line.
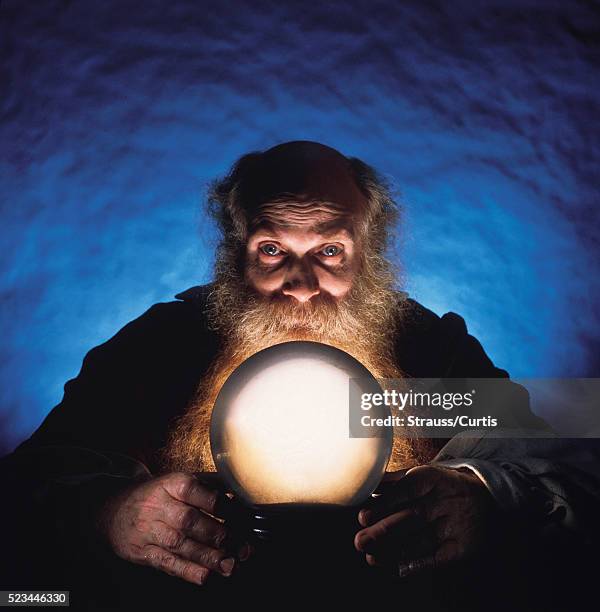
{"points": [[302, 185], [324, 218]]}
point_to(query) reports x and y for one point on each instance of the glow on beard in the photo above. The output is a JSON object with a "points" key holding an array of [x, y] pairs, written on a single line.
{"points": [[280, 429]]}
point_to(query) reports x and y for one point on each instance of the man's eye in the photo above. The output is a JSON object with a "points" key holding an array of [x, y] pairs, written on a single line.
{"points": [[331, 250], [270, 249]]}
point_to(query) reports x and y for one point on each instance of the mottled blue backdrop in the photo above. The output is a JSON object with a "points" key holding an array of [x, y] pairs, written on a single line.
{"points": [[115, 114]]}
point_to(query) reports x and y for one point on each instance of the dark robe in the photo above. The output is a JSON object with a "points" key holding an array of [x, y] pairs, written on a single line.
{"points": [[115, 417]]}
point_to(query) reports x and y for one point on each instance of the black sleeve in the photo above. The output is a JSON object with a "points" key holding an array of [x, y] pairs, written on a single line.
{"points": [[465, 355]]}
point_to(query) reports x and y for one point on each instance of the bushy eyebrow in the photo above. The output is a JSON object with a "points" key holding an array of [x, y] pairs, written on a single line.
{"points": [[329, 228]]}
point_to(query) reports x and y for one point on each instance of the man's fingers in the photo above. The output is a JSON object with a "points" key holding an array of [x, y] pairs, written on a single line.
{"points": [[390, 552], [170, 563], [389, 504], [216, 560], [387, 532], [443, 555], [399, 493], [176, 542], [186, 488], [195, 524], [389, 479]]}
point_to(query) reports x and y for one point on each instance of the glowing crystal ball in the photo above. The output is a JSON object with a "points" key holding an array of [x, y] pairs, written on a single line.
{"points": [[280, 428]]}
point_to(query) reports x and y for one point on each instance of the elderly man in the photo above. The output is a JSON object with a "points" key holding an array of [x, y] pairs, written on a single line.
{"points": [[117, 465]]}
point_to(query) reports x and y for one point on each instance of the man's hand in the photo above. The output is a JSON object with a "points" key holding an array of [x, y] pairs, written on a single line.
{"points": [[430, 517], [169, 523]]}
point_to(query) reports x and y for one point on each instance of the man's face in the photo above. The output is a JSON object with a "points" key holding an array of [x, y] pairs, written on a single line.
{"points": [[302, 258], [303, 245]]}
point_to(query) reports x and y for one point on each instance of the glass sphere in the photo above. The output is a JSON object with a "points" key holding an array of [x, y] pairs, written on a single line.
{"points": [[280, 428]]}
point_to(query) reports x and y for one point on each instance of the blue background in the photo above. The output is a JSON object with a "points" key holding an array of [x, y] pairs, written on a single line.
{"points": [[114, 115]]}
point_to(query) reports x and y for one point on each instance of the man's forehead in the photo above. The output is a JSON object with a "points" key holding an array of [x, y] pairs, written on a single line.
{"points": [[303, 172], [340, 227]]}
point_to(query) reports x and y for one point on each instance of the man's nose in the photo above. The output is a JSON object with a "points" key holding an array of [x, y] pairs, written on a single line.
{"points": [[300, 282]]}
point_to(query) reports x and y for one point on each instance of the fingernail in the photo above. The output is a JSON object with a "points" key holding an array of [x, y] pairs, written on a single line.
{"points": [[244, 553], [227, 565], [360, 541], [363, 517], [371, 560], [202, 577]]}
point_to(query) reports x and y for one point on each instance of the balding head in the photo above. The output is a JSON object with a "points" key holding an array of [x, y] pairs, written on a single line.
{"points": [[302, 172], [306, 171]]}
